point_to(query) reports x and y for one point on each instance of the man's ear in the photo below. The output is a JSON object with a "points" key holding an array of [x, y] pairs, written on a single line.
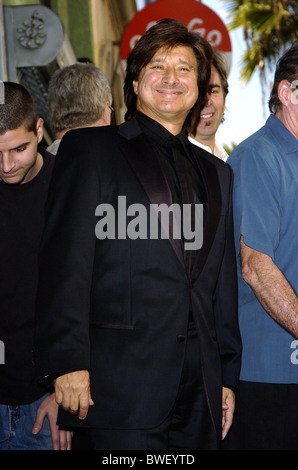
{"points": [[284, 92], [135, 86], [106, 115], [39, 129]]}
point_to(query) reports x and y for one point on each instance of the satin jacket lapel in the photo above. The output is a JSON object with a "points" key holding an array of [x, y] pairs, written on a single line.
{"points": [[143, 161], [213, 211]]}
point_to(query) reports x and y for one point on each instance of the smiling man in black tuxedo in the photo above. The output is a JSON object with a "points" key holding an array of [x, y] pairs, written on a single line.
{"points": [[140, 332]]}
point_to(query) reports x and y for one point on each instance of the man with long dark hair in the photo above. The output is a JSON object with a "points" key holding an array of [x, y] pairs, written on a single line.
{"points": [[212, 115], [137, 321]]}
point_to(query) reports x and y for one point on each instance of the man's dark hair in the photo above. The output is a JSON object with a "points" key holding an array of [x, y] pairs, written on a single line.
{"points": [[18, 109], [219, 64], [286, 69], [168, 33]]}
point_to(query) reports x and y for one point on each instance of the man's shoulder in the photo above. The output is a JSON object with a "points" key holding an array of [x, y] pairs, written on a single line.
{"points": [[86, 141], [103, 135], [213, 165], [267, 142], [257, 146], [220, 166], [205, 155], [94, 133]]}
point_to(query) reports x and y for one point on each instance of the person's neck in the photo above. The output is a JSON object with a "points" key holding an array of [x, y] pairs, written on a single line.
{"points": [[173, 127], [207, 142], [173, 124], [35, 169], [59, 135], [287, 123], [98, 123]]}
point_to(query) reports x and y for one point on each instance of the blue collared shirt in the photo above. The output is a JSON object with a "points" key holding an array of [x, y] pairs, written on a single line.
{"points": [[265, 212]]}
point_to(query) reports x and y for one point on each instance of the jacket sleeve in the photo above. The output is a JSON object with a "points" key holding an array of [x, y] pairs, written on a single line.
{"points": [[226, 305], [66, 260]]}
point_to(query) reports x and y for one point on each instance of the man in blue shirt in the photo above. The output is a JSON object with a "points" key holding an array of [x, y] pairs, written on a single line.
{"points": [[266, 221]]}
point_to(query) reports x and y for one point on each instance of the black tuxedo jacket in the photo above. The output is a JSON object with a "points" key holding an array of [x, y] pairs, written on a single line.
{"points": [[120, 307]]}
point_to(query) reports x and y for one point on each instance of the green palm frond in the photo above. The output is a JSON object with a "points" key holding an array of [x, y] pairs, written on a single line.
{"points": [[268, 27]]}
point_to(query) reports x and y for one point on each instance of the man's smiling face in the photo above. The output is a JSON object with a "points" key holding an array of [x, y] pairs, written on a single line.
{"points": [[166, 88]]}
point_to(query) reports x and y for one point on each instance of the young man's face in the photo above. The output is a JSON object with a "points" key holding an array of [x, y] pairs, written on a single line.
{"points": [[167, 87], [19, 159]]}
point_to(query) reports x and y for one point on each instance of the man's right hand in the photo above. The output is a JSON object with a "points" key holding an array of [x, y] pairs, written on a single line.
{"points": [[73, 392]]}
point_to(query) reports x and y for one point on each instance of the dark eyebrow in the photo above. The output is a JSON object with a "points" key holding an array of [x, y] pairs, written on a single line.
{"points": [[156, 59], [213, 85], [162, 60], [21, 145], [185, 62]]}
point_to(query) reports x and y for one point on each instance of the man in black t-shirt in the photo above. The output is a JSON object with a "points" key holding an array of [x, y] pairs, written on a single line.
{"points": [[25, 172]]}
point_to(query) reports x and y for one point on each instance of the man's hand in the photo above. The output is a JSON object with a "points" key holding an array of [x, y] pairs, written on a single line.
{"points": [[73, 392], [48, 408], [228, 407]]}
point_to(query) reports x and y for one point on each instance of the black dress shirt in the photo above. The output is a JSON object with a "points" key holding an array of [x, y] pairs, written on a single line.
{"points": [[180, 170]]}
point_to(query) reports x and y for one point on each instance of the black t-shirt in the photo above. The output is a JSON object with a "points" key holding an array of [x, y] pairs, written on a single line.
{"points": [[21, 226]]}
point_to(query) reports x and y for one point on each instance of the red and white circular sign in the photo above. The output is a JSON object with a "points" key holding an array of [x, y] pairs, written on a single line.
{"points": [[194, 14]]}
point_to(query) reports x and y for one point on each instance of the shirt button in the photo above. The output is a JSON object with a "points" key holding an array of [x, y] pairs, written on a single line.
{"points": [[180, 338]]}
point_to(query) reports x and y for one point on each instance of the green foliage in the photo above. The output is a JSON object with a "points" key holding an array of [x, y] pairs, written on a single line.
{"points": [[230, 148], [269, 26]]}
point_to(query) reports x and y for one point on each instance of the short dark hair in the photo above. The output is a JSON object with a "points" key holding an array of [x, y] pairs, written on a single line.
{"points": [[286, 69], [168, 33], [18, 109]]}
